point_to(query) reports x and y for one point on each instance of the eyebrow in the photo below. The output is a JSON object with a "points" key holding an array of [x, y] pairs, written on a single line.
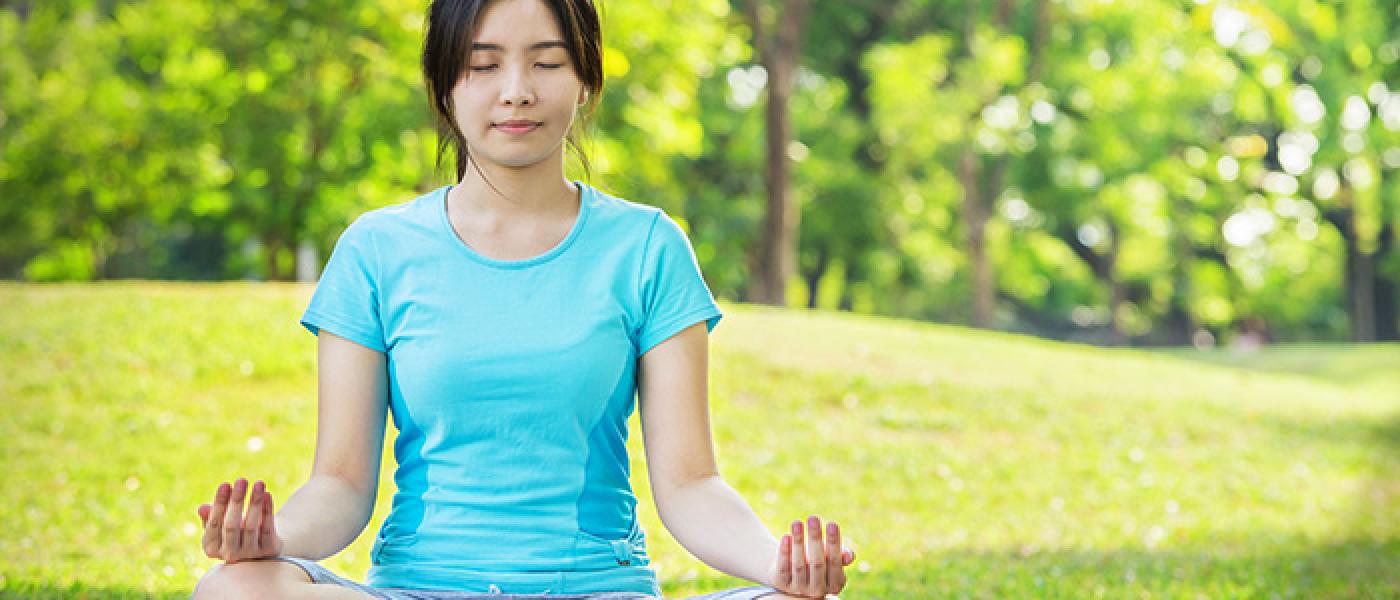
{"points": [[534, 46]]}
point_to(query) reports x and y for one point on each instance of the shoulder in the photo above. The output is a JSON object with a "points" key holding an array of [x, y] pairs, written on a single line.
{"points": [[652, 223], [414, 209], [610, 207], [389, 219]]}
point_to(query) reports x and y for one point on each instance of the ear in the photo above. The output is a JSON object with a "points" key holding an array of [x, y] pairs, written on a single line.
{"points": [[582, 96]]}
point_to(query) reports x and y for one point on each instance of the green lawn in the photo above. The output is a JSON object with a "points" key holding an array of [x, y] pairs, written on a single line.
{"points": [[959, 463]]}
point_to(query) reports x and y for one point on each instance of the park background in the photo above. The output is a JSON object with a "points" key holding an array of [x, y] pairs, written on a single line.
{"points": [[1036, 297]]}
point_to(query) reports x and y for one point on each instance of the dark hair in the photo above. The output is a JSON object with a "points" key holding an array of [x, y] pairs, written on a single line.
{"points": [[447, 46]]}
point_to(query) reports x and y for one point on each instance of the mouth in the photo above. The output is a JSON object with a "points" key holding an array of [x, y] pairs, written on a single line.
{"points": [[517, 126]]}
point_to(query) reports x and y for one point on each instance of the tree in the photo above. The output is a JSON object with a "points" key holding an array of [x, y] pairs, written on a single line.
{"points": [[777, 27]]}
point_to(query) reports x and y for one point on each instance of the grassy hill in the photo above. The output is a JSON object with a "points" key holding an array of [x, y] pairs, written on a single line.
{"points": [[960, 463]]}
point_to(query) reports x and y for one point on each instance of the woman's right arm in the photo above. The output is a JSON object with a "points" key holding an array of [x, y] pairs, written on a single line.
{"points": [[336, 503], [326, 513]]}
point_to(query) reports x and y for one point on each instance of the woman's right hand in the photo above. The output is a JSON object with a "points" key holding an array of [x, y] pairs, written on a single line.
{"points": [[232, 536]]}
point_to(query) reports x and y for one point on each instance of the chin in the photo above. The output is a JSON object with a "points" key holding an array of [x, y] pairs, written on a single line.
{"points": [[515, 162]]}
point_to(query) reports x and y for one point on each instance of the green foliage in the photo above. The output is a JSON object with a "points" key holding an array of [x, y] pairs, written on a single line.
{"points": [[1157, 169]]}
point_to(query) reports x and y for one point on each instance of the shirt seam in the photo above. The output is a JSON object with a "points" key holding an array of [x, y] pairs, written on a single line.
{"points": [[318, 318], [511, 265], [641, 268], [710, 311], [378, 297]]}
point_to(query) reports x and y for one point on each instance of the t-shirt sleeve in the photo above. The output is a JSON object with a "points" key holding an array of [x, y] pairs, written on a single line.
{"points": [[346, 300], [673, 291]]}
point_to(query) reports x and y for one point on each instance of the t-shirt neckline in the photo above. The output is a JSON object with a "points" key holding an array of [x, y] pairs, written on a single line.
{"points": [[446, 225]]}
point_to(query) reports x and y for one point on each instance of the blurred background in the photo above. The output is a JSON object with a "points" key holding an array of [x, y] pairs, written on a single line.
{"points": [[884, 195], [1136, 172]]}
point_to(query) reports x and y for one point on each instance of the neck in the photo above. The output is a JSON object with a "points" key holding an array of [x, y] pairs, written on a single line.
{"points": [[539, 190]]}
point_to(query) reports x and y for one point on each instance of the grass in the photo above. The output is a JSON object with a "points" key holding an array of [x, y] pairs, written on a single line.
{"points": [[960, 463]]}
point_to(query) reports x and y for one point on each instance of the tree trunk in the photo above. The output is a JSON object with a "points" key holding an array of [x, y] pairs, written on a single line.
{"points": [[1360, 272], [974, 235], [1040, 38], [1118, 294], [980, 192], [1387, 311], [1180, 325], [272, 246], [1104, 267], [814, 278], [852, 270], [1361, 293], [777, 258], [1387, 304], [1004, 10]]}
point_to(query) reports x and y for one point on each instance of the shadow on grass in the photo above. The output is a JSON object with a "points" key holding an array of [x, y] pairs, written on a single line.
{"points": [[1374, 506], [1362, 560], [1347, 569], [1351, 569], [1338, 363], [79, 590]]}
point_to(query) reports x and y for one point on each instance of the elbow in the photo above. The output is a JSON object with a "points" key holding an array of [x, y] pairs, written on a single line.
{"points": [[664, 489], [359, 494]]}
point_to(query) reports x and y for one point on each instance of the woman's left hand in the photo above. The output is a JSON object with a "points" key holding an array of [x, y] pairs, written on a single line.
{"points": [[808, 565]]}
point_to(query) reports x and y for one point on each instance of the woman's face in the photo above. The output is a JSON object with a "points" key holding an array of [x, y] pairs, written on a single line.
{"points": [[516, 100]]}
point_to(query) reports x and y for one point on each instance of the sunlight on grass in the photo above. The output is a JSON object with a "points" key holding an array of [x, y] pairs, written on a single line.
{"points": [[958, 462]]}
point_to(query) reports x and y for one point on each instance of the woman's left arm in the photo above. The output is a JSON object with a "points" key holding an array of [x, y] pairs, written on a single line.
{"points": [[699, 508]]}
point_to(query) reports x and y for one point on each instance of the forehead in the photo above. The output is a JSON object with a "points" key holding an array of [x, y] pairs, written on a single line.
{"points": [[516, 24]]}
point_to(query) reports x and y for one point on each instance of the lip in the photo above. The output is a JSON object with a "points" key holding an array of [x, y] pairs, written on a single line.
{"points": [[517, 126]]}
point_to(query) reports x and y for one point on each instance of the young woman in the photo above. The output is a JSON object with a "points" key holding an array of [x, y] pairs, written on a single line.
{"points": [[507, 321]]}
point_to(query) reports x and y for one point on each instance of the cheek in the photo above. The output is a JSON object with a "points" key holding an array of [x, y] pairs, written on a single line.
{"points": [[463, 94], [469, 107], [566, 99]]}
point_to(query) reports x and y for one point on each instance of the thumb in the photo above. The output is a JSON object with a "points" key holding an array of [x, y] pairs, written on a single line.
{"points": [[203, 512]]}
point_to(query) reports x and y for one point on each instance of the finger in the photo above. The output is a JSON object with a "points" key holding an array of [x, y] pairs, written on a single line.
{"points": [[252, 527], [835, 570], [848, 556], [213, 528], [216, 510], [784, 563], [800, 577], [816, 554], [203, 512], [233, 520], [269, 527]]}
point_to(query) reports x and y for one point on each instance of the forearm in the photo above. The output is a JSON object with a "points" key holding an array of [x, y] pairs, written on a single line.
{"points": [[718, 527], [322, 517]]}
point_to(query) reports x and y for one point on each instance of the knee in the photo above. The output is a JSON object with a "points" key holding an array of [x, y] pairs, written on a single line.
{"points": [[251, 579]]}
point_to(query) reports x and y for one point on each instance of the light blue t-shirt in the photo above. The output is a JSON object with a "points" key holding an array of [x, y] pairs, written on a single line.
{"points": [[510, 385]]}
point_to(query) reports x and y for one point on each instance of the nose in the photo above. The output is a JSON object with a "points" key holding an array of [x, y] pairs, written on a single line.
{"points": [[518, 90]]}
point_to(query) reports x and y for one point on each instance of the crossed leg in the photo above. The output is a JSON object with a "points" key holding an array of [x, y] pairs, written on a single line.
{"points": [[267, 579], [275, 579]]}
